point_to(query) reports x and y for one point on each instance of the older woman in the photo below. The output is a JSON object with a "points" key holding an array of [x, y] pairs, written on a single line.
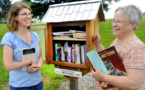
{"points": [[130, 48], [13, 42]]}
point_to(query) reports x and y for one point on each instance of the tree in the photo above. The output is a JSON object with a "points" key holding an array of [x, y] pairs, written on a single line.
{"points": [[106, 3], [5, 6], [39, 9]]}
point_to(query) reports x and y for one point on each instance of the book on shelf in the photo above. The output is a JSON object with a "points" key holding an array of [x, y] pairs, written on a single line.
{"points": [[85, 53], [28, 53], [56, 46], [72, 54], [79, 35], [78, 59], [109, 62], [62, 33], [62, 54], [82, 54], [70, 34]]}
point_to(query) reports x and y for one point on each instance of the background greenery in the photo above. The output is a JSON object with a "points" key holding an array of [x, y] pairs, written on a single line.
{"points": [[52, 80]]}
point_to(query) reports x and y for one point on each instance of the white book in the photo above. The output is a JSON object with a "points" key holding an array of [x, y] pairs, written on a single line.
{"points": [[28, 53], [62, 54], [69, 54], [78, 55], [82, 54]]}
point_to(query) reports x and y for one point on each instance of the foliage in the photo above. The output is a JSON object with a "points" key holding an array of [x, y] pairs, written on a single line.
{"points": [[4, 6], [39, 11], [106, 3]]}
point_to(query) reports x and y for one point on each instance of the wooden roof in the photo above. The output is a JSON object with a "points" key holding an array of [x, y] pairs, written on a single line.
{"points": [[74, 11]]}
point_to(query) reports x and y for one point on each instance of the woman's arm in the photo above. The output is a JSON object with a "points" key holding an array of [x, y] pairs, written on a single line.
{"points": [[40, 59], [133, 80], [8, 59]]}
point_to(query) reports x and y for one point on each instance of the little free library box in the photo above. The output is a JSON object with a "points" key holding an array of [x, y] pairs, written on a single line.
{"points": [[64, 22]]}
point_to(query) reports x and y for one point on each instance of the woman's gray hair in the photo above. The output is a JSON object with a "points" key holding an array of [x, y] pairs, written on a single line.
{"points": [[132, 13]]}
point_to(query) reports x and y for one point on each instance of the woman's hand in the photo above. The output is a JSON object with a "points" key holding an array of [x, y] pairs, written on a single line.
{"points": [[96, 39], [32, 62], [97, 74], [33, 68]]}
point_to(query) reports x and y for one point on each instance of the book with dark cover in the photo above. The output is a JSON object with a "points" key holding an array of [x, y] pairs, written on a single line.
{"points": [[113, 63]]}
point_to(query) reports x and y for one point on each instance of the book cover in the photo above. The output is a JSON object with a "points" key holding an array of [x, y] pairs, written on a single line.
{"points": [[96, 61], [113, 63], [28, 53]]}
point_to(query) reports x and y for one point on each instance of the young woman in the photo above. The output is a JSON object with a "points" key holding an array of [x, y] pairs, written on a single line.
{"points": [[18, 38]]}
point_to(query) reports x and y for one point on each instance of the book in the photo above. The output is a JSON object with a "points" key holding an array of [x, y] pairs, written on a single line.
{"points": [[96, 61], [69, 34], [28, 53], [79, 35], [78, 54], [56, 56], [72, 51], [112, 62], [85, 53], [82, 54], [69, 54], [62, 54]]}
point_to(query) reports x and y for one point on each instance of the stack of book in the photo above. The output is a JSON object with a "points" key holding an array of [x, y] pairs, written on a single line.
{"points": [[69, 34], [75, 53]]}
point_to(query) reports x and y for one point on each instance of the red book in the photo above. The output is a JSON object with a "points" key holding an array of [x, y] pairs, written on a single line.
{"points": [[113, 64]]}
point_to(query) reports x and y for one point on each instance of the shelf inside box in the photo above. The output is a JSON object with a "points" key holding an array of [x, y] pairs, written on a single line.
{"points": [[67, 64]]}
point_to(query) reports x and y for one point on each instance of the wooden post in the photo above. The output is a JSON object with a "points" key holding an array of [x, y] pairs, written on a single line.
{"points": [[74, 84]]}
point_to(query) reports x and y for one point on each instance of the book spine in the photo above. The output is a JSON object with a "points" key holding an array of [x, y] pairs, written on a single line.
{"points": [[56, 56], [78, 55], [62, 54], [72, 52], [82, 54], [69, 54], [59, 54], [85, 53]]}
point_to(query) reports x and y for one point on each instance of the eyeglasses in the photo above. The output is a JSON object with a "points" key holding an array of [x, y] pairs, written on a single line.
{"points": [[117, 22], [26, 14]]}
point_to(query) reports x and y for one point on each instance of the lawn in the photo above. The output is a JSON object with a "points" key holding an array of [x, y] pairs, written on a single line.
{"points": [[52, 80]]}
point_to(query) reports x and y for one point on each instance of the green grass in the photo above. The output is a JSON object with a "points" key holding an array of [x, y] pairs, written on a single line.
{"points": [[52, 80], [4, 75]]}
